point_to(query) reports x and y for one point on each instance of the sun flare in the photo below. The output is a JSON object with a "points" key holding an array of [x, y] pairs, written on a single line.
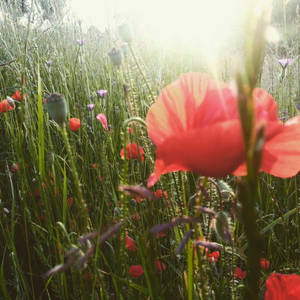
{"points": [[192, 23]]}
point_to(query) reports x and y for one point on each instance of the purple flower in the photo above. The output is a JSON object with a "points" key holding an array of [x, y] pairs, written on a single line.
{"points": [[284, 62], [80, 42], [91, 106], [49, 62], [102, 93]]}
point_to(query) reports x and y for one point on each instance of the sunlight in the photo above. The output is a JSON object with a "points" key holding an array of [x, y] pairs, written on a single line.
{"points": [[192, 23]]}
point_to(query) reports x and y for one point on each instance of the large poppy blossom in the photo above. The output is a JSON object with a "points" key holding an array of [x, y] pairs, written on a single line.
{"points": [[283, 287], [195, 126]]}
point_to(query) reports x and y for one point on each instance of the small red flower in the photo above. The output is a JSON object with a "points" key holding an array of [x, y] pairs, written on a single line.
{"points": [[159, 194], [139, 199], [161, 234], [74, 124], [264, 264], [133, 152], [130, 244], [130, 130], [70, 201], [239, 273], [283, 287], [214, 256], [17, 96], [103, 120], [15, 167], [5, 106], [136, 271], [160, 266]]}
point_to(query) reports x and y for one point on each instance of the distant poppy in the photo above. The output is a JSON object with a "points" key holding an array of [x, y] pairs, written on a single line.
{"points": [[283, 287], [6, 106], [74, 124], [160, 194], [130, 130], [213, 256], [133, 152], [15, 167], [136, 271], [17, 96], [239, 273], [264, 264], [130, 244], [103, 120], [160, 266], [190, 123]]}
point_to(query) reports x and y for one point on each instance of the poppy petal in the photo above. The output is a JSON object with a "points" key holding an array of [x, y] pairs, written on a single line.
{"points": [[172, 111], [282, 286], [216, 153], [103, 120], [281, 156]]}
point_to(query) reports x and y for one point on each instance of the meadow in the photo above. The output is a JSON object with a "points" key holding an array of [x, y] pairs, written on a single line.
{"points": [[81, 216]]}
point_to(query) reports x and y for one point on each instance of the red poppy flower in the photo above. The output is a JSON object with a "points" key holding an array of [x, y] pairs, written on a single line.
{"points": [[239, 273], [193, 118], [15, 167], [190, 123], [214, 256], [17, 96], [264, 264], [160, 266], [136, 271], [133, 152], [74, 124], [159, 194], [6, 106], [103, 120], [130, 244], [283, 287]]}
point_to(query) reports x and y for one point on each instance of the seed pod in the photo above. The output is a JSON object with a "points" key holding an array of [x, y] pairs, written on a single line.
{"points": [[57, 108]]}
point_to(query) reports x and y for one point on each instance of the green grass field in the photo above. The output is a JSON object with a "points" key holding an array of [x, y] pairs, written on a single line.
{"points": [[64, 196]]}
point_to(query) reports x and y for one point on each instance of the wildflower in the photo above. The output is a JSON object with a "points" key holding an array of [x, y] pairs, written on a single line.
{"points": [[115, 57], [284, 62], [139, 199], [160, 266], [161, 234], [130, 244], [96, 166], [136, 271], [264, 264], [17, 96], [130, 130], [74, 124], [195, 113], [239, 273], [160, 194], [102, 93], [6, 106], [282, 287], [70, 201], [49, 62], [80, 42], [56, 106], [103, 120], [91, 106], [214, 256], [133, 152], [15, 167]]}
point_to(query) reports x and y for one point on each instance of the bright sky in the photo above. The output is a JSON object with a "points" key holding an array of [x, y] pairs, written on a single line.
{"points": [[194, 22]]}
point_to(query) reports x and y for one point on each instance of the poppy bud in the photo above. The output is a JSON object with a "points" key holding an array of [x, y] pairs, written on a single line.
{"points": [[57, 108], [125, 33], [222, 227], [115, 57]]}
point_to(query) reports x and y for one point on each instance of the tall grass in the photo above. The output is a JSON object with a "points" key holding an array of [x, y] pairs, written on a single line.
{"points": [[40, 219]]}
